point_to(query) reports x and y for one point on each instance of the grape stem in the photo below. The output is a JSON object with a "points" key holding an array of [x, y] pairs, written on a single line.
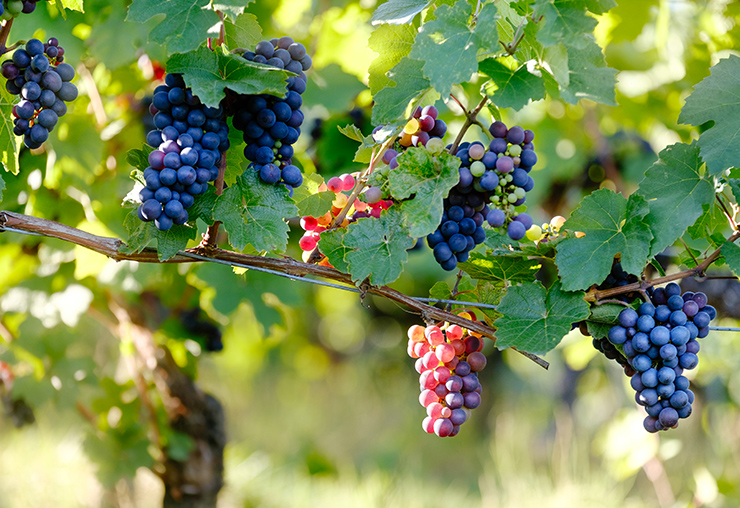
{"points": [[211, 234], [696, 261], [698, 271], [471, 118], [4, 33], [455, 292], [111, 247]]}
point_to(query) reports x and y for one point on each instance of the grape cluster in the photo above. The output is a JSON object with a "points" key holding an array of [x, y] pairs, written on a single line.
{"points": [[424, 129], [271, 125], [618, 277], [38, 74], [448, 363], [370, 206], [189, 140], [660, 340], [498, 175], [14, 8]]}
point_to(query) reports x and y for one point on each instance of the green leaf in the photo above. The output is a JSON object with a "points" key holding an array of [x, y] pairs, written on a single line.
{"points": [[372, 248], [506, 269], [232, 7], [515, 88], [309, 200], [675, 191], [428, 179], [2, 187], [10, 144], [612, 225], [185, 23], [735, 187], [708, 222], [589, 77], [536, 319], [391, 42], [449, 39], [602, 318], [731, 252], [332, 246], [564, 20], [74, 5], [410, 84], [716, 99], [600, 6], [398, 12], [254, 212], [141, 234], [139, 159], [243, 32], [208, 73]]}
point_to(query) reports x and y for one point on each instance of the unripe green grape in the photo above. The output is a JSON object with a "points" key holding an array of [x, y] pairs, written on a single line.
{"points": [[477, 168], [520, 192], [435, 146], [509, 178], [515, 150], [512, 198], [495, 198], [15, 7]]}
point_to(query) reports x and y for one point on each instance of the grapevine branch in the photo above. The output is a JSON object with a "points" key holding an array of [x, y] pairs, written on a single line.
{"points": [[4, 33], [697, 271], [471, 118], [111, 247]]}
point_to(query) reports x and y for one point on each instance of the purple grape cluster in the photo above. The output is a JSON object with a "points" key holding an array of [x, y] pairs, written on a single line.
{"points": [[660, 341], [271, 125], [14, 8], [496, 176], [39, 75], [190, 139]]}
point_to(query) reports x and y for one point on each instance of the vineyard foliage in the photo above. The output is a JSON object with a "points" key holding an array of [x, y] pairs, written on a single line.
{"points": [[568, 70]]}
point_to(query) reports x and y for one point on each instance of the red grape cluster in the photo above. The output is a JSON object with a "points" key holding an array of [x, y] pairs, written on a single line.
{"points": [[448, 362]]}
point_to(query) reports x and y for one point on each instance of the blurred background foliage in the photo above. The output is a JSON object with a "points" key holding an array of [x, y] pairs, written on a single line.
{"points": [[320, 397]]}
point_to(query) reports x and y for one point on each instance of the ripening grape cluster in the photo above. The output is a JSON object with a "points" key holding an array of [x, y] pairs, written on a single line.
{"points": [[448, 362], [660, 341], [424, 129], [618, 277], [14, 8], [370, 206], [271, 125], [497, 175], [189, 141], [38, 74]]}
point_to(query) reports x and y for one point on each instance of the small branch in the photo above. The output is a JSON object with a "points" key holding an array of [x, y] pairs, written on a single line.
{"points": [[472, 117], [210, 237], [448, 307], [111, 247], [727, 213], [4, 33], [696, 261]]}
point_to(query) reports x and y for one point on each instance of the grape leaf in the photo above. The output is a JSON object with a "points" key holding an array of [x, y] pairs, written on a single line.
{"points": [[367, 143], [612, 224], [373, 248], [708, 222], [309, 200], [139, 158], [10, 144], [185, 24], [536, 319], [564, 21], [398, 12], [716, 99], [589, 77], [449, 39], [391, 42], [428, 179], [515, 87], [675, 191], [506, 269], [208, 73], [74, 5], [242, 32], [332, 246], [141, 234], [233, 7], [392, 101], [731, 252], [735, 187], [602, 318], [253, 213], [600, 6]]}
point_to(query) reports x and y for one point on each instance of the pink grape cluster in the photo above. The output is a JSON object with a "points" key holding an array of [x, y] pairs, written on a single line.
{"points": [[423, 129], [448, 362]]}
